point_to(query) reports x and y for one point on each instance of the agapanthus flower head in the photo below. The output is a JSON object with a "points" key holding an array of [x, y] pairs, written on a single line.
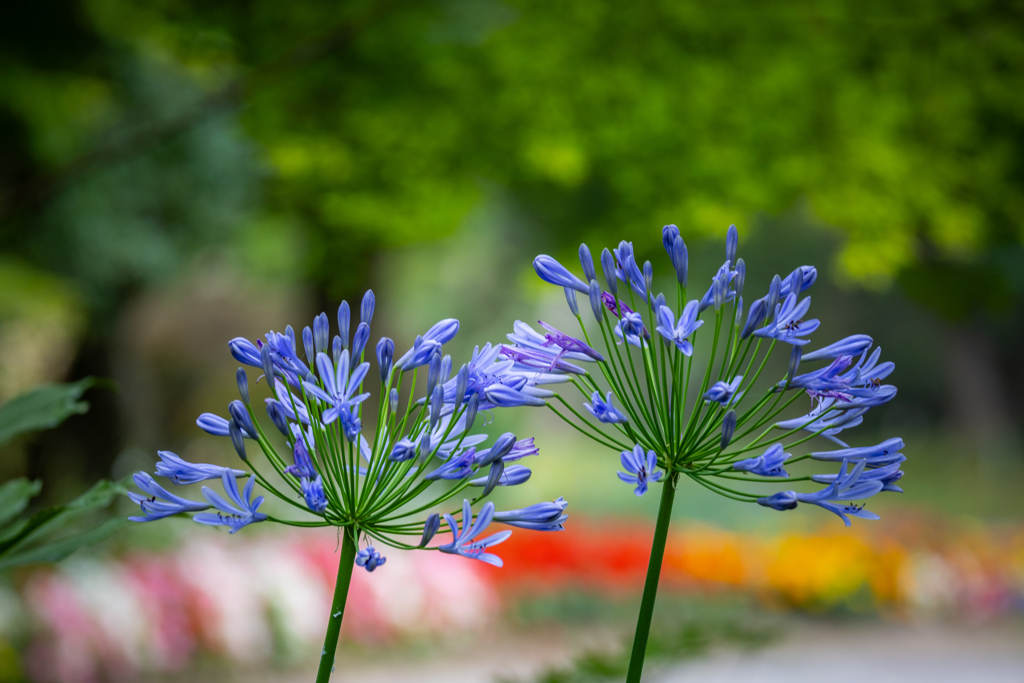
{"points": [[701, 412], [370, 472], [653, 383]]}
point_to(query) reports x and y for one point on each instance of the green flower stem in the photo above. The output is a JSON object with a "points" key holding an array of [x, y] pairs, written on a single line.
{"points": [[345, 565], [291, 522], [585, 433], [643, 622]]}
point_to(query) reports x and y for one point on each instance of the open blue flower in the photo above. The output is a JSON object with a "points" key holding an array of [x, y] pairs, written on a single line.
{"points": [[788, 325], [229, 515], [462, 541], [339, 387], [641, 468], [161, 503], [847, 486], [678, 333]]}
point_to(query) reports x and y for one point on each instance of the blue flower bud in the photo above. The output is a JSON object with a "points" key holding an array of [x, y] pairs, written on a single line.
{"points": [[367, 306], [728, 427], [570, 298], [493, 477], [595, 301], [277, 416], [240, 415], [433, 371], [550, 270], [243, 385], [461, 382], [244, 351], [502, 447], [235, 432], [321, 333], [385, 356], [755, 317], [718, 292], [794, 362], [393, 400], [680, 260], [307, 344], [359, 340], [784, 500], [424, 445], [268, 364], [471, 408], [739, 311], [344, 321], [290, 333], [732, 241], [513, 475], [587, 262], [608, 266], [669, 234], [648, 276], [436, 403], [774, 293], [741, 275], [336, 349], [403, 450], [430, 528], [446, 369]]}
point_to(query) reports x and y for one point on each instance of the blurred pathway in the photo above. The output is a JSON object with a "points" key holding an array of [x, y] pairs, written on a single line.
{"points": [[868, 653]]}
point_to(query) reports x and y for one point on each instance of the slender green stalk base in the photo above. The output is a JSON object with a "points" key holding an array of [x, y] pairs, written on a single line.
{"points": [[643, 621], [345, 565]]}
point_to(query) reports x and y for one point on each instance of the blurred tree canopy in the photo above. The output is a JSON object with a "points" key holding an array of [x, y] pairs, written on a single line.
{"points": [[374, 123], [136, 134]]}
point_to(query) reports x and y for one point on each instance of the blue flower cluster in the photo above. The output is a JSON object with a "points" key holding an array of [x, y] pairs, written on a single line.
{"points": [[335, 472], [710, 441]]}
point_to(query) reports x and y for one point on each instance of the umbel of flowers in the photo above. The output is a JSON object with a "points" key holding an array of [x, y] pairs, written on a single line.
{"points": [[423, 461], [713, 425]]}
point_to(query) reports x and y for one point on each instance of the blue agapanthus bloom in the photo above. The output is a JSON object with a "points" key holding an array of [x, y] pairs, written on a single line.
{"points": [[373, 473], [704, 403], [711, 441]]}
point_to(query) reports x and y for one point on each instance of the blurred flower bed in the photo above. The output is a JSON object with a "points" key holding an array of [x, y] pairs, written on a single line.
{"points": [[266, 598]]}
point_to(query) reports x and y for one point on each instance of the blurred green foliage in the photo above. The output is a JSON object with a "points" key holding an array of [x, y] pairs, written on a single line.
{"points": [[375, 123], [50, 534]]}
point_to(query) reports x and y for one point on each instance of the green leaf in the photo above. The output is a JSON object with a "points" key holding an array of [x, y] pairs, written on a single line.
{"points": [[58, 550], [14, 497], [53, 519], [44, 407]]}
